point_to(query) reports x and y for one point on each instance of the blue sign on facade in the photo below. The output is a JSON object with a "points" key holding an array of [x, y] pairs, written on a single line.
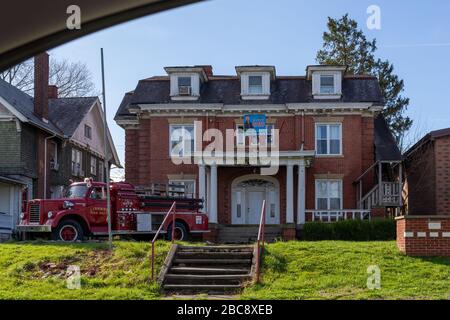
{"points": [[255, 121]]}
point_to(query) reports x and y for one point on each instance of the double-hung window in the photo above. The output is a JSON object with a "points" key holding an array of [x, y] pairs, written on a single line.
{"points": [[328, 194], [327, 84], [77, 158], [184, 86], [93, 168], [87, 131], [329, 139], [101, 171], [255, 85], [182, 140]]}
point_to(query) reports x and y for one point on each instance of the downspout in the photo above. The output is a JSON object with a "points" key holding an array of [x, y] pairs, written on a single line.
{"points": [[45, 163], [303, 131]]}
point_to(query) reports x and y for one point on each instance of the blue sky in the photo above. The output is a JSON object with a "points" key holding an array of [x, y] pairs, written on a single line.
{"points": [[414, 36]]}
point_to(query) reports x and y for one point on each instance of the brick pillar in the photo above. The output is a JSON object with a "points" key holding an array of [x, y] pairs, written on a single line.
{"points": [[288, 232]]}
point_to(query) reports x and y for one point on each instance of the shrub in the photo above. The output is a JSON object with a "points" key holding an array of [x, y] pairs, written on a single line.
{"points": [[355, 230]]}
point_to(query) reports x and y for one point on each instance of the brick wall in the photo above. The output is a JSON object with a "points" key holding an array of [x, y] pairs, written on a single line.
{"points": [[421, 177], [442, 154], [424, 235], [147, 155]]}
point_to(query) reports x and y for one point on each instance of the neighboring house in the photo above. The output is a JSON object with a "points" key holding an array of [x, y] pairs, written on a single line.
{"points": [[46, 140], [427, 165], [337, 156]]}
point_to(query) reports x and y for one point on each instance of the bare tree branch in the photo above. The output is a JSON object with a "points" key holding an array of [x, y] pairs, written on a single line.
{"points": [[73, 79]]}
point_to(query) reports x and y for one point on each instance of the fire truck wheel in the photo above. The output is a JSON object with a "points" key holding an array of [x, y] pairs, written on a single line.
{"points": [[68, 231], [180, 232]]}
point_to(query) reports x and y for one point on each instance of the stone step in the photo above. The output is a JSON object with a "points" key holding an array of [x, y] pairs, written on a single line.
{"points": [[223, 248], [214, 271], [208, 276], [200, 288], [213, 255], [212, 261], [206, 279]]}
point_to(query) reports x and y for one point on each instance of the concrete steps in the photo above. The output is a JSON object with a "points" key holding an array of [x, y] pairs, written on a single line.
{"points": [[246, 234], [208, 269]]}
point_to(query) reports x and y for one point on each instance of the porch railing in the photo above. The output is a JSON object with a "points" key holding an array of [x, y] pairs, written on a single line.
{"points": [[338, 215], [386, 195], [172, 211], [260, 241]]}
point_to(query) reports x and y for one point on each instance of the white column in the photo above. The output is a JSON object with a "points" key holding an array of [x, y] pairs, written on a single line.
{"points": [[213, 196], [289, 193], [202, 184], [301, 193]]}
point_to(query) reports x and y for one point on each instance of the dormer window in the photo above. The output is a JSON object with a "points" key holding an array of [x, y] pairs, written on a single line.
{"points": [[184, 86], [185, 82], [255, 81], [255, 85], [327, 84], [326, 81]]}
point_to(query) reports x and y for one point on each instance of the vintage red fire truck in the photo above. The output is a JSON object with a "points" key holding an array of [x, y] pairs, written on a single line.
{"points": [[82, 212]]}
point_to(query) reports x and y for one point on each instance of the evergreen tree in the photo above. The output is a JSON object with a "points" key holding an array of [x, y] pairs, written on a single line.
{"points": [[345, 44]]}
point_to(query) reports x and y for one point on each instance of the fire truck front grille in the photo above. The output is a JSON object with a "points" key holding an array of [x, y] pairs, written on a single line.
{"points": [[35, 213]]}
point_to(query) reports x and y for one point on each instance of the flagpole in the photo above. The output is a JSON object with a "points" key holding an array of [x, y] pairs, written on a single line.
{"points": [[105, 128]]}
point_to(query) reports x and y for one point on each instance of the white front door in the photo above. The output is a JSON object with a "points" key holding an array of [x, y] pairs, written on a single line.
{"points": [[254, 203], [247, 198]]}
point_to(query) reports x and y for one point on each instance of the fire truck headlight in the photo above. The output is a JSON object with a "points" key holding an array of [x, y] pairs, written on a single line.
{"points": [[50, 214], [22, 215], [67, 204]]}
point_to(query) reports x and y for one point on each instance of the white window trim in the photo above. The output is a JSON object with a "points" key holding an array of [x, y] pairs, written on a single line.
{"points": [[170, 139], [174, 181], [316, 75], [341, 192], [245, 86], [328, 124], [195, 86]]}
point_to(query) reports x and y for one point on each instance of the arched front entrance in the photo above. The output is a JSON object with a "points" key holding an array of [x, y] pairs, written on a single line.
{"points": [[248, 193]]}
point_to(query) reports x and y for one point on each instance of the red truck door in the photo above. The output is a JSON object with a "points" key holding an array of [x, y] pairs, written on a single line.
{"points": [[96, 206]]}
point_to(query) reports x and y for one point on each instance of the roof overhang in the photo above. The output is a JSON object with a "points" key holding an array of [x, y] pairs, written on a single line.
{"points": [[270, 69], [188, 69]]}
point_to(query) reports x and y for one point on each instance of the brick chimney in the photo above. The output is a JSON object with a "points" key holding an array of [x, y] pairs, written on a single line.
{"points": [[52, 92], [208, 70], [41, 70]]}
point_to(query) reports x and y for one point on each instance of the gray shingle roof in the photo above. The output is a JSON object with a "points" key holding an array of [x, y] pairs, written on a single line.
{"points": [[67, 113], [23, 103], [386, 148], [227, 90]]}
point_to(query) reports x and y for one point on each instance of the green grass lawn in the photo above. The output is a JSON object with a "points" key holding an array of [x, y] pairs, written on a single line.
{"points": [[292, 270], [38, 270], [338, 270]]}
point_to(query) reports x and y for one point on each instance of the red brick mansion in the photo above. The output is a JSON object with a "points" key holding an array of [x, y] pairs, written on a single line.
{"points": [[335, 154]]}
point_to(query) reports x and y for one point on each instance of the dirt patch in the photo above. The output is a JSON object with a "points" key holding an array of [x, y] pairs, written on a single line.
{"points": [[90, 266]]}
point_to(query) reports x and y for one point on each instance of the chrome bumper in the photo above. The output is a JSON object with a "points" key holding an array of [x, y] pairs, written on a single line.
{"points": [[34, 228]]}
